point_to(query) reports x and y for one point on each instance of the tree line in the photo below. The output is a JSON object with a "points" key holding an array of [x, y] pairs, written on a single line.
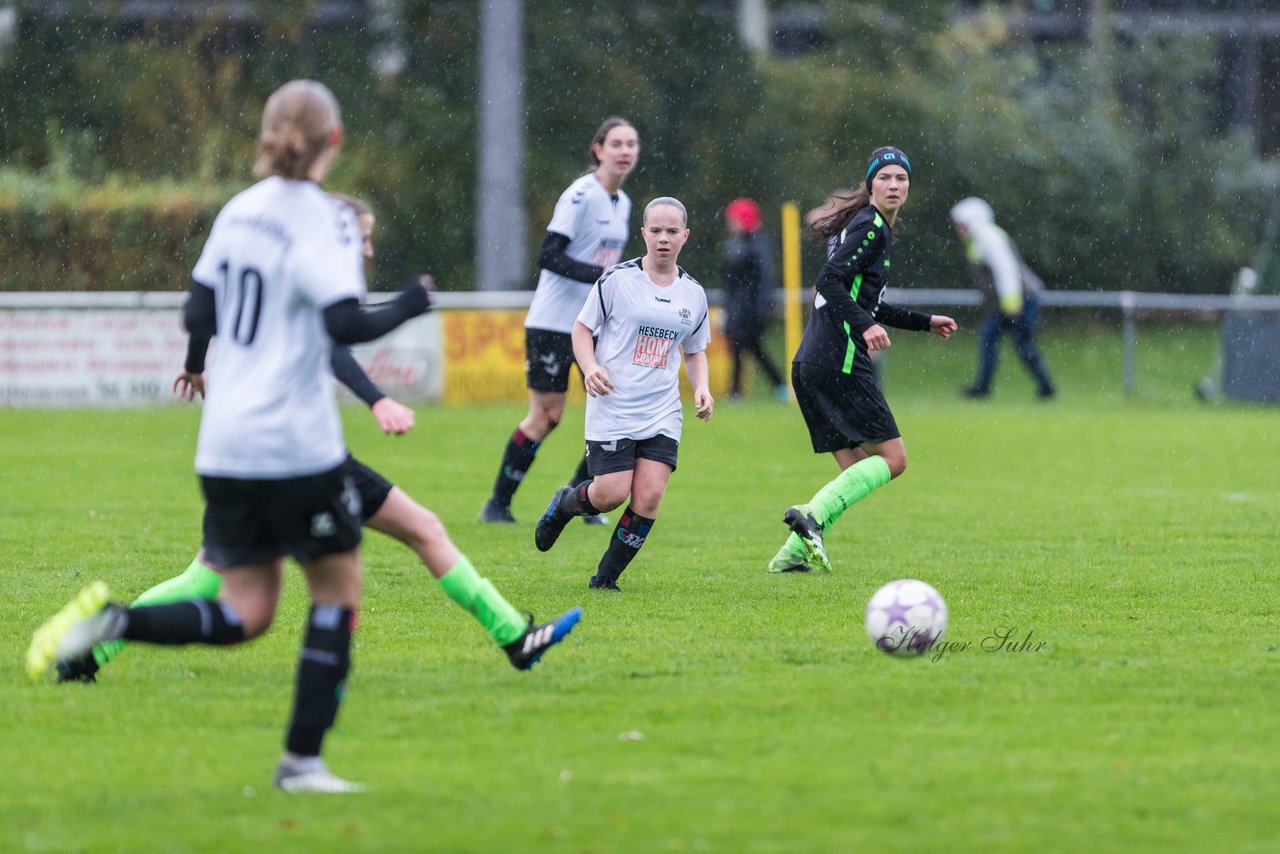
{"points": [[120, 143]]}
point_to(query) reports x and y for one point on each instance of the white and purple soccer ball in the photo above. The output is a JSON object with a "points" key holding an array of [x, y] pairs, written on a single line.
{"points": [[906, 617]]}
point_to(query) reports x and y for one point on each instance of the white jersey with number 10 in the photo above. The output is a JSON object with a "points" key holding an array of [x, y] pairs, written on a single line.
{"points": [[279, 253]]}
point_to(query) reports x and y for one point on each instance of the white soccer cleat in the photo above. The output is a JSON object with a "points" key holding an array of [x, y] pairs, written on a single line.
{"points": [[310, 775]]}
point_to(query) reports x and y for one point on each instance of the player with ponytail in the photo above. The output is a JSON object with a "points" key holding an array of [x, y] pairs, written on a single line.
{"points": [[835, 386]]}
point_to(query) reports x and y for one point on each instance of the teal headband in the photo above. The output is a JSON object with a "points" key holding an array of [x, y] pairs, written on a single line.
{"points": [[888, 157]]}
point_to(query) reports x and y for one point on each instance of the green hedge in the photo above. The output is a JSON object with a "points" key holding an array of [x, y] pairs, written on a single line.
{"points": [[63, 234]]}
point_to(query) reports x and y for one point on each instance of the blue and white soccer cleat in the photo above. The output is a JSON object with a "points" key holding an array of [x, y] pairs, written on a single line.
{"points": [[536, 640]]}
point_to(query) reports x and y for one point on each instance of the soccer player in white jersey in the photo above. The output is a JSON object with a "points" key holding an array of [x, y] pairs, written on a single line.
{"points": [[280, 279], [585, 237], [383, 507], [643, 315]]}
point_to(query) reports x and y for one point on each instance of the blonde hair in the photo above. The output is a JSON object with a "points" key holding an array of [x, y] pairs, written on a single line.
{"points": [[297, 126], [668, 201]]}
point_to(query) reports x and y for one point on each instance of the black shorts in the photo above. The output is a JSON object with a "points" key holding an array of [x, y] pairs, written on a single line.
{"points": [[841, 410], [548, 356], [621, 454], [252, 521], [372, 487]]}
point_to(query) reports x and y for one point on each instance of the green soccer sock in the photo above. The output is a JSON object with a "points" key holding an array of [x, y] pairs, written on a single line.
{"points": [[197, 582], [481, 600], [849, 487]]}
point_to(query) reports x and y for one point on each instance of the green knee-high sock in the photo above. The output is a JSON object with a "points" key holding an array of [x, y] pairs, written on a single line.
{"points": [[197, 582], [849, 487], [481, 600]]}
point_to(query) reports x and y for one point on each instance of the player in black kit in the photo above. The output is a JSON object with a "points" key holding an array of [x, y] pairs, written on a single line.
{"points": [[831, 374]]}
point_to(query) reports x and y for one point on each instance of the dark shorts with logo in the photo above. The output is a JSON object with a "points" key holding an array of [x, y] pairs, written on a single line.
{"points": [[373, 488], [253, 521], [548, 356], [621, 454], [841, 410]]}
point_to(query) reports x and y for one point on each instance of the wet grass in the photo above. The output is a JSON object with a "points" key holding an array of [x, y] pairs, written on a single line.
{"points": [[710, 707]]}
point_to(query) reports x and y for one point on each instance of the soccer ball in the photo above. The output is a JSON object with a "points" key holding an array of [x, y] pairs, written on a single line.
{"points": [[906, 617]]}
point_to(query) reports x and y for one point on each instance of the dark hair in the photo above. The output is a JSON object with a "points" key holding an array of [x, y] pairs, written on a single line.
{"points": [[845, 206], [603, 131]]}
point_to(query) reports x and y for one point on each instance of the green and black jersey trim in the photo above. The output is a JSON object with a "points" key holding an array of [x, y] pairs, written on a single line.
{"points": [[851, 349]]}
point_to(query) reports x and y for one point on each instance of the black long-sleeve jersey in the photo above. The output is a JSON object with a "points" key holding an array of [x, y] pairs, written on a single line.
{"points": [[851, 297], [552, 255]]}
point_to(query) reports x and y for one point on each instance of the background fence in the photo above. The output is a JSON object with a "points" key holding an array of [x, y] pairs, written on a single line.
{"points": [[123, 348]]}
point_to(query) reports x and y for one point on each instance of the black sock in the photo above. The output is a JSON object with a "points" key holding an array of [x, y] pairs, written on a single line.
{"points": [[517, 457], [581, 476], [628, 536], [197, 621], [578, 503], [322, 675]]}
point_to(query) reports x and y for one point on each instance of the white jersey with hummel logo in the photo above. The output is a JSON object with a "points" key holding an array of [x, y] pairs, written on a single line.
{"points": [[642, 328], [279, 253], [596, 225]]}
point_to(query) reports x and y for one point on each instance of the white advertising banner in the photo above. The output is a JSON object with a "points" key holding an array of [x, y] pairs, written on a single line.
{"points": [[64, 357], [89, 357]]}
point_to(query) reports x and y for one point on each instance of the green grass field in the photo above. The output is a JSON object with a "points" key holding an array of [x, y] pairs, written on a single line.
{"points": [[710, 707]]}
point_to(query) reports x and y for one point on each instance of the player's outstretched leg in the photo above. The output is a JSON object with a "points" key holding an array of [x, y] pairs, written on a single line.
{"points": [[525, 652], [479, 598], [421, 530], [86, 620], [77, 628], [196, 582], [522, 641]]}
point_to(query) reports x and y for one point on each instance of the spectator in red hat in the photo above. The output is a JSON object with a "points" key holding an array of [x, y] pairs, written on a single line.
{"points": [[748, 280]]}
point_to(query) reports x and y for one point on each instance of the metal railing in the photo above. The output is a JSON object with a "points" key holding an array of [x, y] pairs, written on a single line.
{"points": [[1128, 303]]}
